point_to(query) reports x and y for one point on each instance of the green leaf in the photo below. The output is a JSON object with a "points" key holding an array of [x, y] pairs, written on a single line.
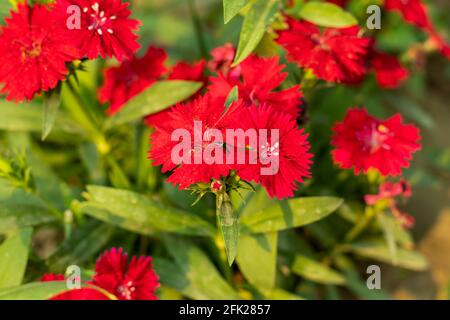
{"points": [[289, 214], [280, 294], [83, 244], [158, 97], [315, 271], [232, 8], [257, 253], [34, 291], [258, 18], [327, 15], [52, 104], [256, 258], [388, 226], [377, 250], [21, 209], [14, 257], [197, 277], [138, 213], [232, 97], [228, 224]]}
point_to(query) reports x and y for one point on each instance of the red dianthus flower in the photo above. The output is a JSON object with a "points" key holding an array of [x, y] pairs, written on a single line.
{"points": [[34, 52], [388, 70], [363, 142], [106, 28], [131, 77], [335, 55], [133, 280], [260, 77]]}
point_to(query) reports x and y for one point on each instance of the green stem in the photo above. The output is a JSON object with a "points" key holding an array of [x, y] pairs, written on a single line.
{"points": [[198, 29]]}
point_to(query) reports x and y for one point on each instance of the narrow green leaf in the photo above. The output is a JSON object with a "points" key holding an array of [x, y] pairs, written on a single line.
{"points": [[315, 271], [327, 15], [21, 209], [200, 280], [34, 291], [22, 117], [280, 294], [377, 250], [256, 258], [83, 244], [138, 213], [388, 227], [158, 97], [14, 257], [258, 18], [52, 104], [231, 8], [289, 214], [228, 224], [232, 97]]}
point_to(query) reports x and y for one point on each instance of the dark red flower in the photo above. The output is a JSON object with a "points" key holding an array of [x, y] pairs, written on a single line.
{"points": [[106, 29], [81, 294], [181, 71], [209, 113], [131, 77], [335, 55], [279, 159], [135, 280], [388, 70], [341, 3], [363, 142], [34, 52], [260, 77]]}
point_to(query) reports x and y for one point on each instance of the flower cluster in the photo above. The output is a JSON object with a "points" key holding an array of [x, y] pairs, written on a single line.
{"points": [[114, 275], [37, 42]]}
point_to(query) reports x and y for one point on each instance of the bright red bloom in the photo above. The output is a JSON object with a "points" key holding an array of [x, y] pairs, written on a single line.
{"points": [[130, 78], [52, 277], [363, 142], [209, 112], [388, 70], [106, 28], [34, 52], [281, 158], [260, 77], [81, 294], [181, 71], [135, 280], [222, 59], [336, 55]]}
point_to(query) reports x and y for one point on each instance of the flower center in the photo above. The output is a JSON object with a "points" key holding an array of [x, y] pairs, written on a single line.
{"points": [[268, 151], [374, 137], [320, 41], [98, 20], [126, 290], [31, 51]]}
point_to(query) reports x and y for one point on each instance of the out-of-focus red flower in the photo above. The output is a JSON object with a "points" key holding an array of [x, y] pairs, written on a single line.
{"points": [[363, 142], [34, 52], [341, 3], [52, 277], [81, 294], [284, 157], [133, 280], [413, 11], [181, 71], [260, 77], [222, 59], [210, 112], [335, 55], [388, 192], [131, 77], [388, 70], [106, 28]]}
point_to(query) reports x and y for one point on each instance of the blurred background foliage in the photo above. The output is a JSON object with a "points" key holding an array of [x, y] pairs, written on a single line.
{"points": [[43, 185]]}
